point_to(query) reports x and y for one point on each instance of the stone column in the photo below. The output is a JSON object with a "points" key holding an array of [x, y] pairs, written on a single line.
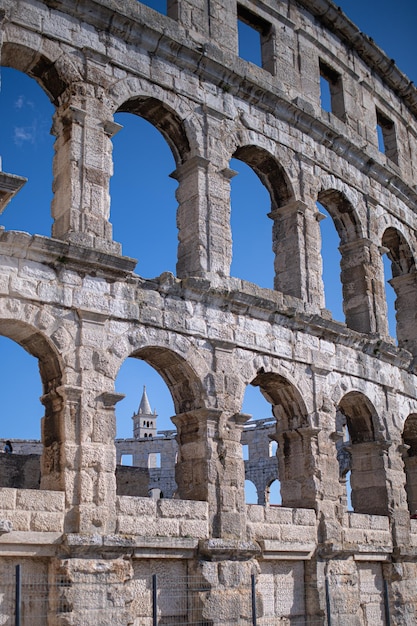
{"points": [[82, 169], [362, 276], [203, 218], [405, 287], [96, 456], [60, 455], [210, 467], [368, 480], [298, 266]]}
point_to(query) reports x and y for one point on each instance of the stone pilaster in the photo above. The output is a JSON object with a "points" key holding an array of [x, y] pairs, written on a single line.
{"points": [[298, 266], [210, 467], [405, 287], [364, 300], [82, 170]]}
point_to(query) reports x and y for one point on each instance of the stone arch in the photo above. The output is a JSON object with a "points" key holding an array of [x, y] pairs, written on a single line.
{"points": [[342, 211], [269, 171], [272, 482], [53, 70], [361, 265], [410, 461], [368, 484], [53, 398], [165, 119], [180, 377], [404, 283], [286, 239], [184, 375], [173, 117], [294, 437]]}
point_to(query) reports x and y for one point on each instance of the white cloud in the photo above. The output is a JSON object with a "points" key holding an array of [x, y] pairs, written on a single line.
{"points": [[19, 102], [22, 102], [24, 134]]}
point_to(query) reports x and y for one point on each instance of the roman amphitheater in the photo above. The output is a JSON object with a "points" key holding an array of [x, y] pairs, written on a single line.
{"points": [[343, 395]]}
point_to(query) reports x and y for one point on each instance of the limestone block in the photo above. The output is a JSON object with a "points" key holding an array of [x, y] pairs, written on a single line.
{"points": [[194, 528], [47, 522], [20, 520], [298, 533], [23, 287], [304, 517], [183, 509], [137, 507], [31, 500], [266, 531], [8, 499], [256, 513], [167, 528], [143, 526], [278, 515]]}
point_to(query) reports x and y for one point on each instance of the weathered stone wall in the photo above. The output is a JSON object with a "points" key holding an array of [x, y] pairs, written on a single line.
{"points": [[20, 471], [74, 302]]}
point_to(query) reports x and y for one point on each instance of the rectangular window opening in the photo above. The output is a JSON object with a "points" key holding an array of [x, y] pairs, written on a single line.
{"points": [[154, 460], [387, 140], [256, 41], [331, 91], [127, 460], [245, 452], [166, 7]]}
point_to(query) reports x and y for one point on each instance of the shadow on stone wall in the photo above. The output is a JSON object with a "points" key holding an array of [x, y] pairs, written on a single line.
{"points": [[20, 471], [23, 471]]}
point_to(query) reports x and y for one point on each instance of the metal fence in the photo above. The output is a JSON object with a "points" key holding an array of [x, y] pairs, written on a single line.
{"points": [[161, 600]]}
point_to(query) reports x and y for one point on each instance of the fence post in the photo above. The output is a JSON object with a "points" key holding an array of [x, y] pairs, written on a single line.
{"points": [[253, 588], [18, 595], [329, 617], [154, 601], [386, 604]]}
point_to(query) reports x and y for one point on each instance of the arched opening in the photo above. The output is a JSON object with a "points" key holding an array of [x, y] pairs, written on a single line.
{"points": [[251, 494], [410, 461], [36, 431], [331, 262], [354, 264], [362, 455], [293, 436], [257, 249], [273, 493], [143, 204], [260, 466], [144, 443], [252, 256], [27, 150], [389, 295], [160, 456], [403, 281], [344, 457]]}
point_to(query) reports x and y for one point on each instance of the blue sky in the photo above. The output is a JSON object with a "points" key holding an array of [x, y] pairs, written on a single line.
{"points": [[143, 215]]}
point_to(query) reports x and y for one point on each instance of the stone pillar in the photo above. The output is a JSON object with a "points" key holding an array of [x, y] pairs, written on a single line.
{"points": [[222, 24], [405, 287], [210, 467], [203, 218], [362, 276], [397, 509], [295, 455], [368, 479], [344, 592], [298, 266], [60, 455], [410, 465], [82, 169], [96, 456], [401, 579]]}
